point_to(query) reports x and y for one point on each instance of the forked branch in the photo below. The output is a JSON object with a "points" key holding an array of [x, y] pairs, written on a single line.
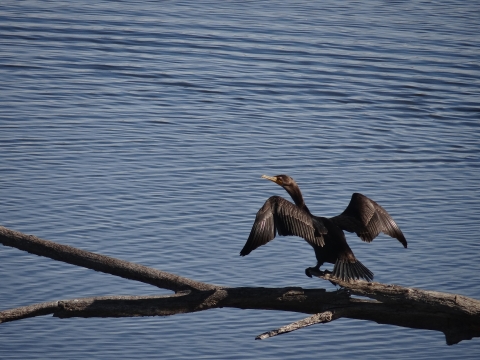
{"points": [[457, 316]]}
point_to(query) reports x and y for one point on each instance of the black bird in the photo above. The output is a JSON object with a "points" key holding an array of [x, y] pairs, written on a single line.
{"points": [[362, 216]]}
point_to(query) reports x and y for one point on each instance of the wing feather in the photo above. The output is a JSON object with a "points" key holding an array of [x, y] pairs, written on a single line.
{"points": [[281, 216], [367, 219]]}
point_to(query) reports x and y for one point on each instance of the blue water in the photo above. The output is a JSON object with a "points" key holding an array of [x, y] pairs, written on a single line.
{"points": [[140, 130]]}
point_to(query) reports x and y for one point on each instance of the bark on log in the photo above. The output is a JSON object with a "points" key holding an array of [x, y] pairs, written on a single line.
{"points": [[457, 316]]}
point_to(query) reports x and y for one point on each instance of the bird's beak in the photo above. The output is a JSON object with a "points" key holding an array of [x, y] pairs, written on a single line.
{"points": [[275, 179]]}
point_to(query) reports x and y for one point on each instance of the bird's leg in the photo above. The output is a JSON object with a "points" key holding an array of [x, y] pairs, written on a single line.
{"points": [[317, 272], [310, 271]]}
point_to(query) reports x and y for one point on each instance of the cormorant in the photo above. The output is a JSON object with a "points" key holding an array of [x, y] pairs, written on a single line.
{"points": [[362, 216]]}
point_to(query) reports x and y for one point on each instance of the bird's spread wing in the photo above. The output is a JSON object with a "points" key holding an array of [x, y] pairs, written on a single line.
{"points": [[280, 215], [367, 219]]}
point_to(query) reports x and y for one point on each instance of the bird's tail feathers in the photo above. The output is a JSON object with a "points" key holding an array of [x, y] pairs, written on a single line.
{"points": [[346, 270]]}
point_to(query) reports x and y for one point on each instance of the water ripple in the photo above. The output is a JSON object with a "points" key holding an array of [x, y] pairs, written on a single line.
{"points": [[141, 131]]}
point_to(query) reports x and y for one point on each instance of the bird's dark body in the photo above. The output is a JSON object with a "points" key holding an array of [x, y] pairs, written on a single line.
{"points": [[335, 244], [363, 216]]}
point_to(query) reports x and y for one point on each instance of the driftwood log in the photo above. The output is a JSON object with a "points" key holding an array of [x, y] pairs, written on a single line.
{"points": [[457, 316]]}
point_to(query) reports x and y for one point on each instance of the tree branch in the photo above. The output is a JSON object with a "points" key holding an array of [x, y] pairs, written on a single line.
{"points": [[29, 311], [97, 262], [395, 294], [320, 318], [458, 317]]}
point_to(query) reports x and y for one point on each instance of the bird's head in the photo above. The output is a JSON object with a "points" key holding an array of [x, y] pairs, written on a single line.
{"points": [[284, 181], [290, 186]]}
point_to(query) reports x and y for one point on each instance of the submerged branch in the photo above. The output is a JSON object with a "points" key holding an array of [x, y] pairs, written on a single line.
{"points": [[458, 317]]}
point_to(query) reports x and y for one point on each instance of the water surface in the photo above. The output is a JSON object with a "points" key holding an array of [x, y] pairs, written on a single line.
{"points": [[141, 130]]}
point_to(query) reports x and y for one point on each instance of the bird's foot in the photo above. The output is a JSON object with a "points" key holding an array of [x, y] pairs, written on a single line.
{"points": [[313, 271]]}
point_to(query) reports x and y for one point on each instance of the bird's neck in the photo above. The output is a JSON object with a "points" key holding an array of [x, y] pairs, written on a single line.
{"points": [[297, 197]]}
